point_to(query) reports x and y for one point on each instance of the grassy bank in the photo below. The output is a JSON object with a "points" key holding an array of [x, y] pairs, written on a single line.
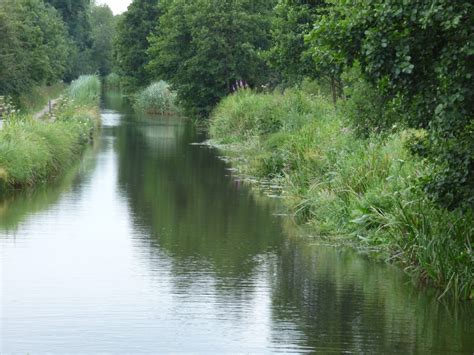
{"points": [[366, 190], [33, 151]]}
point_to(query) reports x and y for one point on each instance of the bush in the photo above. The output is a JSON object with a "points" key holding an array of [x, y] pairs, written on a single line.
{"points": [[85, 90], [157, 98]]}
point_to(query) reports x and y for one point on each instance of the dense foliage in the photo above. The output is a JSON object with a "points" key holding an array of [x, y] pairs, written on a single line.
{"points": [[131, 43], [44, 42], [103, 26], [203, 47], [34, 47], [76, 16], [289, 54], [419, 55]]}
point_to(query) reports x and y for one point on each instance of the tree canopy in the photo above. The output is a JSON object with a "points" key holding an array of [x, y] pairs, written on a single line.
{"points": [[419, 54], [131, 42], [289, 54], [35, 45], [203, 46]]}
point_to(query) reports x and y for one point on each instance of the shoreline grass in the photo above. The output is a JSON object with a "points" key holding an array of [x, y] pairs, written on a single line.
{"points": [[339, 185], [32, 151]]}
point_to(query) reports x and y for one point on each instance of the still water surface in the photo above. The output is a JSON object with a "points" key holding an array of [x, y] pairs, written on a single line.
{"points": [[148, 245]]}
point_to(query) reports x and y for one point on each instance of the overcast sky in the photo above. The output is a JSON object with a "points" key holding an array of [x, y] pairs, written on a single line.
{"points": [[117, 6]]}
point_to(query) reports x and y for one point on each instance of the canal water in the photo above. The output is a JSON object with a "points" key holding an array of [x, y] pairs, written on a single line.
{"points": [[150, 245]]}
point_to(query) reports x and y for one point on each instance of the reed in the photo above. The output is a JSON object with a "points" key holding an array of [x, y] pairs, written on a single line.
{"points": [[157, 98], [85, 90]]}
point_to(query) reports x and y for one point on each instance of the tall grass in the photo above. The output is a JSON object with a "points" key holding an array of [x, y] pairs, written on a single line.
{"points": [[34, 151], [363, 189], [85, 90], [157, 98]]}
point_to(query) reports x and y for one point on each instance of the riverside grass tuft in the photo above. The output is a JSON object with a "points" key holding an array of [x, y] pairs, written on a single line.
{"points": [[112, 81], [34, 151], [157, 98], [366, 190], [85, 90]]}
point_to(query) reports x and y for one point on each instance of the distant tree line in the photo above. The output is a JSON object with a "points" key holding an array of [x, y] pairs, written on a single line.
{"points": [[43, 42]]}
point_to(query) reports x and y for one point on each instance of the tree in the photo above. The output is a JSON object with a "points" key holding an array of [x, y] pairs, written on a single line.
{"points": [[289, 54], [131, 43], [103, 33], [421, 53], [34, 47], [76, 16], [203, 46]]}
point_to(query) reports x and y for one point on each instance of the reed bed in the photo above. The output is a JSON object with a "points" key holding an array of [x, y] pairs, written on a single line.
{"points": [[157, 98]]}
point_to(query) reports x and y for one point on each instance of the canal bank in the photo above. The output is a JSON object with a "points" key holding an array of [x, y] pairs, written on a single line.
{"points": [[33, 151], [153, 246]]}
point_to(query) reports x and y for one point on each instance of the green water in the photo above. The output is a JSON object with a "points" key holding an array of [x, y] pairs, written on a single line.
{"points": [[150, 245]]}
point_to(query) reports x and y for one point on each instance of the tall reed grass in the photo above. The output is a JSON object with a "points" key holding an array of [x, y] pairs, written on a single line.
{"points": [[363, 189], [157, 98], [85, 90]]}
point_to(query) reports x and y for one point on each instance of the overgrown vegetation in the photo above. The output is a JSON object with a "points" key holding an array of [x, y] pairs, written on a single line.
{"points": [[131, 43], [342, 185], [157, 98], [419, 56], [33, 151], [402, 137], [38, 97]]}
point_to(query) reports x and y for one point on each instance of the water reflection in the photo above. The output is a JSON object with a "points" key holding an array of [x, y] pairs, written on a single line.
{"points": [[16, 206], [341, 300]]}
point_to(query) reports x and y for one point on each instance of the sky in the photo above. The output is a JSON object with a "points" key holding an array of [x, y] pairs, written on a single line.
{"points": [[117, 6]]}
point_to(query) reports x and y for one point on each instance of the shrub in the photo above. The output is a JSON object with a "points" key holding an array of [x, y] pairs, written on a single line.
{"points": [[367, 110]]}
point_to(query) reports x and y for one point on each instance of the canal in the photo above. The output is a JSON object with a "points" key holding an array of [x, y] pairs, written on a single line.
{"points": [[150, 245]]}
